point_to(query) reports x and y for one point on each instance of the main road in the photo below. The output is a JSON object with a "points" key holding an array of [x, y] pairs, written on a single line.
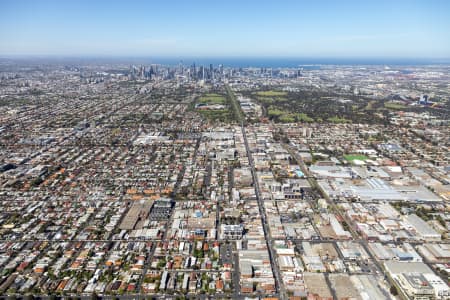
{"points": [[279, 286]]}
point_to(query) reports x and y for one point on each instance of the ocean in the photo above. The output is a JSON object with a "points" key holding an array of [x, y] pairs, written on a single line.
{"points": [[268, 62]]}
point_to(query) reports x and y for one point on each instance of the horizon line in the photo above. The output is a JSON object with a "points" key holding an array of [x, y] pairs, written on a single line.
{"points": [[11, 55]]}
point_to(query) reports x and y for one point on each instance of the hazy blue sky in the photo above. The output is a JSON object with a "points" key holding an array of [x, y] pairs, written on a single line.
{"points": [[313, 28]]}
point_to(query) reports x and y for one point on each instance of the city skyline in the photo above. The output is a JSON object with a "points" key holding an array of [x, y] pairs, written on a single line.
{"points": [[404, 29]]}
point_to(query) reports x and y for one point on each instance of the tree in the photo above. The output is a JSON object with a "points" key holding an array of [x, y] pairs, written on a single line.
{"points": [[393, 291]]}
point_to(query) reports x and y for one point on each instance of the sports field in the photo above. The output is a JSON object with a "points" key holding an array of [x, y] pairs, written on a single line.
{"points": [[351, 157]]}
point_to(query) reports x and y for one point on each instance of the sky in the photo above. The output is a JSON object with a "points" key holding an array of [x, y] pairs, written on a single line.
{"points": [[319, 28]]}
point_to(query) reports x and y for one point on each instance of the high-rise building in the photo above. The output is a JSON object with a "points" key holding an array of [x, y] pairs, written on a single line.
{"points": [[211, 71]]}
